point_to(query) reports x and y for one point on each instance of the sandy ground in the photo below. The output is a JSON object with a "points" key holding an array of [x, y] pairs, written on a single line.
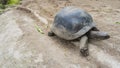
{"points": [[22, 46]]}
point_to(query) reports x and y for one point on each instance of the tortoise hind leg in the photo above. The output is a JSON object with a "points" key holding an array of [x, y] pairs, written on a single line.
{"points": [[84, 46], [51, 33]]}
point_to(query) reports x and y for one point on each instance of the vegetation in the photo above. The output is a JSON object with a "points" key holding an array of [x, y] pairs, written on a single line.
{"points": [[39, 29], [117, 22], [13, 2], [7, 3]]}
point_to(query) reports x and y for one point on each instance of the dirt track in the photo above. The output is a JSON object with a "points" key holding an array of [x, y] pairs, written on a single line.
{"points": [[23, 47]]}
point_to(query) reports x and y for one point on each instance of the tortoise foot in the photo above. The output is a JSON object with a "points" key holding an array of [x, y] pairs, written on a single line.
{"points": [[84, 52]]}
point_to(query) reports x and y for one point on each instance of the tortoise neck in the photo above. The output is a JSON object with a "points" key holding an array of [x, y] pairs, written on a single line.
{"points": [[98, 35]]}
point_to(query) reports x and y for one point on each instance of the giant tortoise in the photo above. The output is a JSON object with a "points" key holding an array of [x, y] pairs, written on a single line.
{"points": [[72, 23]]}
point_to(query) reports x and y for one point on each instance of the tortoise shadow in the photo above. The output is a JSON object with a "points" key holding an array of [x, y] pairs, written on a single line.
{"points": [[65, 43]]}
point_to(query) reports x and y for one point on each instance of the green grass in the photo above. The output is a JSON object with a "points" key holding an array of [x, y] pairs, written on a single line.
{"points": [[13, 2], [39, 29], [117, 22], [9, 3], [1, 6]]}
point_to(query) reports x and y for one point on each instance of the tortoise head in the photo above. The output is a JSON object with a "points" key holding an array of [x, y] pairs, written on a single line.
{"points": [[98, 35]]}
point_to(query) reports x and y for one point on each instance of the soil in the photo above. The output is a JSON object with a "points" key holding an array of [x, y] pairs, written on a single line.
{"points": [[22, 46]]}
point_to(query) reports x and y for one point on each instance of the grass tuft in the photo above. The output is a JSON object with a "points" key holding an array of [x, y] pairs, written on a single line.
{"points": [[39, 29], [117, 22], [13, 2]]}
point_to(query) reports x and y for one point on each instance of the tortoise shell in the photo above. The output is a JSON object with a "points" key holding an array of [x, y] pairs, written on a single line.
{"points": [[71, 23]]}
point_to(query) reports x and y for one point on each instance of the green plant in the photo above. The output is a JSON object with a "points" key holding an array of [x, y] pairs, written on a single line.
{"points": [[4, 3], [39, 29], [7, 3], [117, 22], [13, 2]]}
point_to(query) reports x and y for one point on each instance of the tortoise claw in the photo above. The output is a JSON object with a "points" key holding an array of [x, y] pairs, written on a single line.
{"points": [[84, 52]]}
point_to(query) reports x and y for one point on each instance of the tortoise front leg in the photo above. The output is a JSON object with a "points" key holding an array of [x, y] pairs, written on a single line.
{"points": [[50, 33], [84, 46]]}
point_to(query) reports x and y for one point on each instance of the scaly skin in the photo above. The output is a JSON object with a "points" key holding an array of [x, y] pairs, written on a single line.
{"points": [[84, 46]]}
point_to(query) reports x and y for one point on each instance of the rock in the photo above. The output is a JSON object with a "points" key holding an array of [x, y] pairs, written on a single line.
{"points": [[23, 47]]}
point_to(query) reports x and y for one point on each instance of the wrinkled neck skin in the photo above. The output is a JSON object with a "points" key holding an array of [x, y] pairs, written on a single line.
{"points": [[98, 35]]}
